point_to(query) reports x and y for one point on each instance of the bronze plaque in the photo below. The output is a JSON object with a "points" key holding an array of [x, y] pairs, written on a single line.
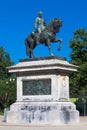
{"points": [[37, 87]]}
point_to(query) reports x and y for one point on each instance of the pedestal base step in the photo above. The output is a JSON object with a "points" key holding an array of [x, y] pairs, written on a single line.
{"points": [[43, 113]]}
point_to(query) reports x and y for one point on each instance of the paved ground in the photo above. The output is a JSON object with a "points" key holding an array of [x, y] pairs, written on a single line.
{"points": [[81, 126]]}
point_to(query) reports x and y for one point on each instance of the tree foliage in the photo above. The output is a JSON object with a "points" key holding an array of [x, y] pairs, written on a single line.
{"points": [[4, 62], [7, 81], [78, 80]]}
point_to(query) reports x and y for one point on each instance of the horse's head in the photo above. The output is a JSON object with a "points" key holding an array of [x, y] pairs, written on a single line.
{"points": [[55, 25]]}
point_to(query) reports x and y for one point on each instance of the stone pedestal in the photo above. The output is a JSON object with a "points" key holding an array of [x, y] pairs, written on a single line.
{"points": [[43, 92]]}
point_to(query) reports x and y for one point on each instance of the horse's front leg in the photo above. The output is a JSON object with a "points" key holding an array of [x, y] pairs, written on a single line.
{"points": [[49, 47], [60, 45]]}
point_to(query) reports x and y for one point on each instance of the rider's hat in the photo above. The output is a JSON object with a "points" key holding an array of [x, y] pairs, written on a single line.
{"points": [[40, 13]]}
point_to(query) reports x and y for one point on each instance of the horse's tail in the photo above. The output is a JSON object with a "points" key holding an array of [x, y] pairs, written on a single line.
{"points": [[29, 43], [27, 47]]}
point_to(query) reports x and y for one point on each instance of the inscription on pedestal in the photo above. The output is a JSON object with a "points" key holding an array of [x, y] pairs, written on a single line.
{"points": [[37, 87]]}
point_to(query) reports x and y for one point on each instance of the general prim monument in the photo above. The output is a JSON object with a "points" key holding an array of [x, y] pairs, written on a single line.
{"points": [[43, 83]]}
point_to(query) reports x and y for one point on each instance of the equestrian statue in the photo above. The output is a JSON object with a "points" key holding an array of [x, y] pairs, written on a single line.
{"points": [[43, 34]]}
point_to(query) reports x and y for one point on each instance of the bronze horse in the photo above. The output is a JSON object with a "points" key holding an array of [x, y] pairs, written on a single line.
{"points": [[45, 37]]}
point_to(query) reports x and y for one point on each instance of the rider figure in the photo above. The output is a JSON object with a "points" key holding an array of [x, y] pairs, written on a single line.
{"points": [[39, 24]]}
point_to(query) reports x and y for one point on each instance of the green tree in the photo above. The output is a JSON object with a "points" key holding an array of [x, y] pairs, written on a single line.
{"points": [[7, 81], [78, 80], [4, 62]]}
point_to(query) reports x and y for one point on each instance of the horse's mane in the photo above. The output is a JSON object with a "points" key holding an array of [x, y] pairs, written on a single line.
{"points": [[52, 20]]}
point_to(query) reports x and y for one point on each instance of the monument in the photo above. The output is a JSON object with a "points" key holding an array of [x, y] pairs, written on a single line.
{"points": [[43, 83]]}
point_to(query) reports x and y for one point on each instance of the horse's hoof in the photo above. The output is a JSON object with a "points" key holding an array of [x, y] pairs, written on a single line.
{"points": [[34, 56], [51, 54], [58, 48]]}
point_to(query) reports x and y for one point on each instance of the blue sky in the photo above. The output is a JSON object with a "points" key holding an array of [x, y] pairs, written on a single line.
{"points": [[17, 20]]}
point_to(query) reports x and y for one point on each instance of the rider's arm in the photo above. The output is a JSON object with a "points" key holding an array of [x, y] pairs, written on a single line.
{"points": [[35, 23]]}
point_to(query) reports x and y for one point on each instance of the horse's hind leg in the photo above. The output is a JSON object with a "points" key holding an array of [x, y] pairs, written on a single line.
{"points": [[33, 54], [30, 55]]}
